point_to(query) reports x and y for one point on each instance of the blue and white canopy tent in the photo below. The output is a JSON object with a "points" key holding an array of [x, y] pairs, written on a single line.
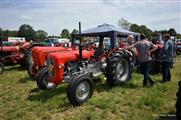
{"points": [[107, 30]]}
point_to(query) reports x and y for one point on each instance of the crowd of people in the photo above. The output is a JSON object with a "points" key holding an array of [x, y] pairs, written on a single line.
{"points": [[143, 49]]}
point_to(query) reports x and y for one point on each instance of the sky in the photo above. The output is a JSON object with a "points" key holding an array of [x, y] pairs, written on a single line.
{"points": [[53, 16]]}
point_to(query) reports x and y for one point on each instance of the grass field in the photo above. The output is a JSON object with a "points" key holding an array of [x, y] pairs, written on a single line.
{"points": [[21, 99]]}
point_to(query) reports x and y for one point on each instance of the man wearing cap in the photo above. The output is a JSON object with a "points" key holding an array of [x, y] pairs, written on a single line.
{"points": [[143, 46], [167, 55]]}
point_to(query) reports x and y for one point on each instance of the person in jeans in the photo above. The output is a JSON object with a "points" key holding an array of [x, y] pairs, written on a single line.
{"points": [[144, 48], [167, 55]]}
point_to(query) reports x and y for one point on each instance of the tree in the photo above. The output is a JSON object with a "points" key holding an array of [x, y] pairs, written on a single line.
{"points": [[163, 32], [141, 29], [74, 31], [9, 33], [178, 36], [41, 35], [26, 31], [134, 27], [124, 24], [172, 32], [65, 34]]}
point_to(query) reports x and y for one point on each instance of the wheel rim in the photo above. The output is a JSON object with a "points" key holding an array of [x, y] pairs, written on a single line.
{"points": [[47, 83], [31, 64], [31, 59], [122, 70], [83, 90]]}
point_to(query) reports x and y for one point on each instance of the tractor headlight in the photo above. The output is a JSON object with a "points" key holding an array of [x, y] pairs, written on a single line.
{"points": [[59, 66], [45, 63]]}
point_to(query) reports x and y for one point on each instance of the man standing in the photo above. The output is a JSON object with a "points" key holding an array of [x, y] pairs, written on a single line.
{"points": [[143, 46], [167, 55]]}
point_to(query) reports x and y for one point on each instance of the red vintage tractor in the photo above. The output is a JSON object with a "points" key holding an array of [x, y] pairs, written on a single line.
{"points": [[37, 58], [79, 67], [14, 54], [157, 39]]}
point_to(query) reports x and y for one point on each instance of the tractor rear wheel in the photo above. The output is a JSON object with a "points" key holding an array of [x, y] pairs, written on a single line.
{"points": [[1, 68], [80, 89], [43, 80], [118, 69]]}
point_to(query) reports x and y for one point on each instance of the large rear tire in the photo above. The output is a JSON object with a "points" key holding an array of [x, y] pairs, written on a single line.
{"points": [[80, 89], [118, 69], [43, 80]]}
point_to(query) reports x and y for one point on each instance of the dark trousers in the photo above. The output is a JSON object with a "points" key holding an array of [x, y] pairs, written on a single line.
{"points": [[144, 66], [166, 76]]}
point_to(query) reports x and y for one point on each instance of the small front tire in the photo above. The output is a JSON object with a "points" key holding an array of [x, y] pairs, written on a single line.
{"points": [[43, 80], [80, 89]]}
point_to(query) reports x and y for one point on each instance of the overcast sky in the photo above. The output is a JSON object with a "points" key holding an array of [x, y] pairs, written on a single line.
{"points": [[54, 15]]}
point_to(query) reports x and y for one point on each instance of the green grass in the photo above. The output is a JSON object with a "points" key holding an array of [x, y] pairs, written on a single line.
{"points": [[21, 99]]}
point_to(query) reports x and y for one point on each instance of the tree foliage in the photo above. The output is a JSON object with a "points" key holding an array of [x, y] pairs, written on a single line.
{"points": [[65, 34], [141, 29], [26, 31], [124, 24], [41, 35], [7, 33], [74, 31], [172, 32]]}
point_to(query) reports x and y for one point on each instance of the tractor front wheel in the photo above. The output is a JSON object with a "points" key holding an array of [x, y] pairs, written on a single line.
{"points": [[80, 89], [43, 80]]}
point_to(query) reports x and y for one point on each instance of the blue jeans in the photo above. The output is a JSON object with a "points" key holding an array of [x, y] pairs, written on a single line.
{"points": [[166, 76], [144, 66]]}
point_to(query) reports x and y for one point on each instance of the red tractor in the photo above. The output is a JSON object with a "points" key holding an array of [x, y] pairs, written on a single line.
{"points": [[79, 67], [157, 39], [14, 54], [37, 58]]}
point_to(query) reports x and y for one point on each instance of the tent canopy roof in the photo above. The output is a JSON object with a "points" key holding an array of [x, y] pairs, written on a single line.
{"points": [[106, 28]]}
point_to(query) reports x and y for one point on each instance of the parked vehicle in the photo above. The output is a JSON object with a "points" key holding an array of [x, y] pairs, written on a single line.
{"points": [[36, 58], [178, 46], [13, 54], [79, 67], [157, 39]]}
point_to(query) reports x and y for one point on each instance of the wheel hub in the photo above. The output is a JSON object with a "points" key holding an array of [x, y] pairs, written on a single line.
{"points": [[122, 70], [83, 90]]}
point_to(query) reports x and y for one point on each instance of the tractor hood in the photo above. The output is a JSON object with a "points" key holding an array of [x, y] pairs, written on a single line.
{"points": [[39, 54], [68, 56], [59, 59]]}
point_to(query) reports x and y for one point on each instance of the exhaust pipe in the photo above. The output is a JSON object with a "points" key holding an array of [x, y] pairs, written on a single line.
{"points": [[80, 43]]}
